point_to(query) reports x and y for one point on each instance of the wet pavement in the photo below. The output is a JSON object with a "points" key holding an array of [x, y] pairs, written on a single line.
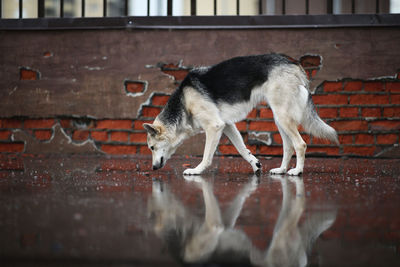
{"points": [[77, 210]]}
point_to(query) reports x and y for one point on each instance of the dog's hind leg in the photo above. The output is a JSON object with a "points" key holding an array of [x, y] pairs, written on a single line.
{"points": [[289, 127], [287, 152], [233, 134]]}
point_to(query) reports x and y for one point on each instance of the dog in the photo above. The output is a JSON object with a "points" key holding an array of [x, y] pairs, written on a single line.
{"points": [[214, 98]]}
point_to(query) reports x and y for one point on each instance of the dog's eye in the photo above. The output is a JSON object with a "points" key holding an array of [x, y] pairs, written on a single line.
{"points": [[152, 147]]}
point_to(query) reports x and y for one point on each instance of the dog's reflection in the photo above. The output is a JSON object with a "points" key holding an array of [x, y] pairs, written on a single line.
{"points": [[214, 238]]}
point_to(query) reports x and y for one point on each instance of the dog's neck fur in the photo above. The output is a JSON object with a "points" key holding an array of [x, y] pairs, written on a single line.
{"points": [[179, 130]]}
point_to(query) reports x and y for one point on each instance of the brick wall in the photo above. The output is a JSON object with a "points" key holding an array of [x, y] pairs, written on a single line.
{"points": [[365, 113], [60, 95]]}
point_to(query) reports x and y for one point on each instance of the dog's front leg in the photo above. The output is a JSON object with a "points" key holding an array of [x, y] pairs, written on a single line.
{"points": [[213, 134]]}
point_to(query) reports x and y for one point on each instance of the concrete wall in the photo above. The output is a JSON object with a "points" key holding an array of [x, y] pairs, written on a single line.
{"points": [[92, 89]]}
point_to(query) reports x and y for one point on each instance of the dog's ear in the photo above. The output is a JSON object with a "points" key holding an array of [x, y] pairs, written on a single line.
{"points": [[151, 129]]}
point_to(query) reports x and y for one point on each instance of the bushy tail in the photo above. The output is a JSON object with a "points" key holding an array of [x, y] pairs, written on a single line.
{"points": [[315, 126]]}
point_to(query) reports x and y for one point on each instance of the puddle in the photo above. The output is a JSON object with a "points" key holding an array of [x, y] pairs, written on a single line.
{"points": [[98, 210]]}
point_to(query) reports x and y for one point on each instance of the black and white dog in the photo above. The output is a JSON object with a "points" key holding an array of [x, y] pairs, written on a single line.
{"points": [[214, 98]]}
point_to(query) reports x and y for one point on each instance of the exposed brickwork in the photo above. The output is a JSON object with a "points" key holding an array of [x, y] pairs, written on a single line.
{"points": [[366, 115], [26, 73]]}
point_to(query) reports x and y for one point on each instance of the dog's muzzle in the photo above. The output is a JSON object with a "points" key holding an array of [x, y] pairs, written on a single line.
{"points": [[156, 167]]}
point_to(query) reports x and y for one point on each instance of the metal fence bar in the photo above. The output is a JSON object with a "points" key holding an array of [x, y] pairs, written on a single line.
{"points": [[20, 9], [329, 7], [283, 7], [61, 8], [148, 7], [215, 7], [40, 8], [126, 8], [83, 8], [353, 6], [307, 7], [169, 8], [1, 9], [377, 7], [193, 7], [237, 7], [260, 7], [104, 8]]}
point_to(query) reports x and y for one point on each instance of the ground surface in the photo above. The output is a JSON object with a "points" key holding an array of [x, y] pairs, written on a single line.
{"points": [[114, 211]]}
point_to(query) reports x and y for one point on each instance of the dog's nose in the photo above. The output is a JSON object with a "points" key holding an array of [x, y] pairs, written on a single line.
{"points": [[155, 167]]}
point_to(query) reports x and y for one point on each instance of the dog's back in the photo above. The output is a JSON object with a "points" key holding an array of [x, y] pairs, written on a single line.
{"points": [[233, 80]]}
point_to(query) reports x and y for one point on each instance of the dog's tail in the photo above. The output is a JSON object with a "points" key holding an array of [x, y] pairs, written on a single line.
{"points": [[315, 126]]}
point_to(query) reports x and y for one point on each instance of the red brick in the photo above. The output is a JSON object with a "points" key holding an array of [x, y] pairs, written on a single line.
{"points": [[387, 139], [313, 73], [277, 138], [99, 136], [28, 74], [268, 126], [150, 112], [43, 134], [11, 123], [252, 114], [393, 87], [138, 124], [351, 125], [353, 86], [374, 87], [119, 149], [114, 124], [320, 141], [345, 139], [369, 99], [5, 135], [308, 61], [266, 113], [333, 86], [395, 99], [134, 87], [14, 147], [385, 125], [271, 150], [227, 150], [241, 126], [391, 112], [330, 99], [138, 137], [80, 135], [332, 151], [328, 112], [364, 139], [348, 112], [38, 123], [144, 150], [66, 123], [359, 150], [160, 100], [179, 75], [119, 136], [371, 112]]}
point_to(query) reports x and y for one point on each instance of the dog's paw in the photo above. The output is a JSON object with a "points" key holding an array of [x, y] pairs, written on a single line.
{"points": [[295, 172], [194, 171], [278, 171], [256, 167]]}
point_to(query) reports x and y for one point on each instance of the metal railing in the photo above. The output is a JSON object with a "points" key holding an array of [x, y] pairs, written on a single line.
{"points": [[261, 7]]}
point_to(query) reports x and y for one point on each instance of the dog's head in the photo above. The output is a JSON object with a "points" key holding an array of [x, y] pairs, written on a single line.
{"points": [[160, 144]]}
